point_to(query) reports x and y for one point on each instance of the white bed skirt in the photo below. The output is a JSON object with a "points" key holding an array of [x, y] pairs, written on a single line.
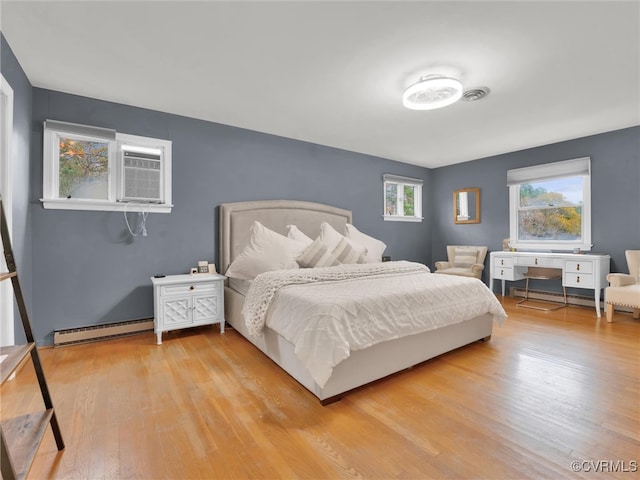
{"points": [[362, 366]]}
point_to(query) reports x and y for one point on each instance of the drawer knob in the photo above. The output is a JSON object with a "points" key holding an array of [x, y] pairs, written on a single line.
{"points": [[501, 262], [501, 272], [191, 287], [578, 267], [578, 279], [536, 261]]}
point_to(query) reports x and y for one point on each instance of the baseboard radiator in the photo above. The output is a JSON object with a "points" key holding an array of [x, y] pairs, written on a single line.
{"points": [[94, 333], [578, 300]]}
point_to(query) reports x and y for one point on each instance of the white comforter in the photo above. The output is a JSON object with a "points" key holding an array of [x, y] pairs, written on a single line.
{"points": [[328, 312]]}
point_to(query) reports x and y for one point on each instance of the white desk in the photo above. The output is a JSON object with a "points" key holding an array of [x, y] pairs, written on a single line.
{"points": [[578, 270]]}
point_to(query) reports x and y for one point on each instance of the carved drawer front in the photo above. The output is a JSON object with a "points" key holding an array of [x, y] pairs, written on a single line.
{"points": [[582, 280], [578, 267], [500, 262], [188, 288], [540, 262]]}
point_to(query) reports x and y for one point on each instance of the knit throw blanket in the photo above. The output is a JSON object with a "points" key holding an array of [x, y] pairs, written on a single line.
{"points": [[266, 285]]}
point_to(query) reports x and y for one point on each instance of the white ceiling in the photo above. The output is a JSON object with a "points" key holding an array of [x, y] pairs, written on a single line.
{"points": [[333, 73]]}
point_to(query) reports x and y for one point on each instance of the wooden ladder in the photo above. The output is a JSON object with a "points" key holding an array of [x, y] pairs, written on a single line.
{"points": [[20, 437]]}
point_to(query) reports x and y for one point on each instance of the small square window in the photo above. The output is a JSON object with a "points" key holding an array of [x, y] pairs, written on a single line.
{"points": [[83, 168], [402, 199]]}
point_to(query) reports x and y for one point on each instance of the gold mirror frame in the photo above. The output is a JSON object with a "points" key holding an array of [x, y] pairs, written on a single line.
{"points": [[468, 214]]}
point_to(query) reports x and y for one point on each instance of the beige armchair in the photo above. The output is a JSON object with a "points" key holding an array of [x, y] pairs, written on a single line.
{"points": [[467, 261], [624, 289]]}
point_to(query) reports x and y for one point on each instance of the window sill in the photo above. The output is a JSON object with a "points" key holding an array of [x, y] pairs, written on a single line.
{"points": [[104, 206], [399, 218]]}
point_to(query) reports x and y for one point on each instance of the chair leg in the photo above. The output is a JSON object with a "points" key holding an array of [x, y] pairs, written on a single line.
{"points": [[609, 312]]}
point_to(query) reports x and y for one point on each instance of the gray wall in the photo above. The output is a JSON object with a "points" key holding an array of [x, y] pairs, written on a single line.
{"points": [[615, 177], [82, 268], [88, 270], [22, 111]]}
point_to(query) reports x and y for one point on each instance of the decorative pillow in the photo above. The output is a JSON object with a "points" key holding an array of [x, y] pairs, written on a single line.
{"points": [[317, 255], [329, 236], [348, 252], [294, 233], [465, 257], [375, 248], [266, 251]]}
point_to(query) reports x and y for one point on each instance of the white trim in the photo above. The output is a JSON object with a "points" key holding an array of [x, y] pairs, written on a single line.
{"points": [[51, 167], [165, 146], [400, 182], [53, 130], [399, 218], [388, 177], [568, 168], [103, 206], [547, 171], [7, 334]]}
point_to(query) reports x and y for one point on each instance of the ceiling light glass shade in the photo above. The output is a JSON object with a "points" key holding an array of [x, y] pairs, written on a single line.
{"points": [[432, 92]]}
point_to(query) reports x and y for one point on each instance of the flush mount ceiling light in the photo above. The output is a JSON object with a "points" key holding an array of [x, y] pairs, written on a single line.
{"points": [[431, 92]]}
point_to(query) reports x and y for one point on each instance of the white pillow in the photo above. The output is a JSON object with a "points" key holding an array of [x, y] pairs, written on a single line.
{"points": [[294, 233], [375, 247], [336, 244], [266, 251], [329, 236]]}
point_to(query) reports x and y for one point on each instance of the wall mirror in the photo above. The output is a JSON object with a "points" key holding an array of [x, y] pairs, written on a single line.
{"points": [[466, 205]]}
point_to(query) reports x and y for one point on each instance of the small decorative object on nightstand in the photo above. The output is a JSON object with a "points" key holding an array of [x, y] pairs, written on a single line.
{"points": [[182, 301]]}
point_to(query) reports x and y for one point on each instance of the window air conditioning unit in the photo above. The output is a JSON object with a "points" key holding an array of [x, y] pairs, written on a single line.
{"points": [[142, 174]]}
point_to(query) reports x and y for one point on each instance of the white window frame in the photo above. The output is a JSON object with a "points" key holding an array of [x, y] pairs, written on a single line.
{"points": [[551, 171], [7, 334], [53, 130], [388, 179]]}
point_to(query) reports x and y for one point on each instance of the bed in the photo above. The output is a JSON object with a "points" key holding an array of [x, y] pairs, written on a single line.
{"points": [[360, 366]]}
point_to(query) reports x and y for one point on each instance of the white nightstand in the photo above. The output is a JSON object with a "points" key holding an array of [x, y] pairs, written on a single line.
{"points": [[182, 301]]}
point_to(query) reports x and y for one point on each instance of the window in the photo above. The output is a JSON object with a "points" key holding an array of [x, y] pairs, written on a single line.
{"points": [[402, 199], [91, 168], [550, 206]]}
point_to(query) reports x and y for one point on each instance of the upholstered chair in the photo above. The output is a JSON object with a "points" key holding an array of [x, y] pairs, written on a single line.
{"points": [[624, 289], [467, 261]]}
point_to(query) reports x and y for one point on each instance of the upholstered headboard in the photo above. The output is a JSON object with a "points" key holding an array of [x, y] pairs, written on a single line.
{"points": [[237, 218]]}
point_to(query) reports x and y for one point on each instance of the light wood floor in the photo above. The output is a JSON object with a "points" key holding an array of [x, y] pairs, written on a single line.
{"points": [[547, 390]]}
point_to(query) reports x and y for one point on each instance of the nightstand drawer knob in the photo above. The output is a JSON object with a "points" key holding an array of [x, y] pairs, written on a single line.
{"points": [[192, 287]]}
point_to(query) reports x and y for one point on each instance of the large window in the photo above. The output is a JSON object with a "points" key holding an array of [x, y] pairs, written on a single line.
{"points": [[550, 206], [402, 198], [91, 168]]}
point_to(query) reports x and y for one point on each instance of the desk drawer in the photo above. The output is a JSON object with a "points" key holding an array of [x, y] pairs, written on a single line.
{"points": [[503, 273], [578, 267], [580, 280], [503, 262], [540, 262]]}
